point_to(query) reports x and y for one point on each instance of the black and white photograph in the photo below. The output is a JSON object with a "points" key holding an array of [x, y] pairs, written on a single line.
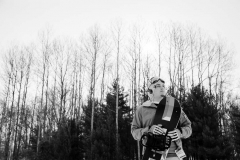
{"points": [[119, 80]]}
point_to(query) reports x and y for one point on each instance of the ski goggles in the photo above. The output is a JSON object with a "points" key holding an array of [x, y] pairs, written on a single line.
{"points": [[154, 80]]}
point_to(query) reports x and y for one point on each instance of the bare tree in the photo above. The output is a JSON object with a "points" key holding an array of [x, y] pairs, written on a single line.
{"points": [[178, 59], [135, 51], [11, 64], [192, 40], [21, 65], [117, 36], [24, 66], [80, 85], [44, 74], [105, 64], [63, 52], [74, 84], [146, 75], [159, 36], [93, 48], [8, 69]]}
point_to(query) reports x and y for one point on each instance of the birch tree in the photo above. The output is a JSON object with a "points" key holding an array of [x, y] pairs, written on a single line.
{"points": [[7, 78], [117, 37], [178, 59], [135, 52], [105, 64], [92, 48], [44, 74], [159, 36], [12, 73], [24, 63]]}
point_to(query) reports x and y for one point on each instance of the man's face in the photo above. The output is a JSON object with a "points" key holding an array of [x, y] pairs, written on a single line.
{"points": [[158, 89]]}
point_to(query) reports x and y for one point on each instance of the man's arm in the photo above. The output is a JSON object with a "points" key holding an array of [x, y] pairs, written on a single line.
{"points": [[185, 125], [136, 127]]}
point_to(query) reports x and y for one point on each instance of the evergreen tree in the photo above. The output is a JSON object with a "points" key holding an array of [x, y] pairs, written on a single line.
{"points": [[64, 144], [144, 93], [104, 133], [207, 140], [235, 127], [125, 118], [86, 119]]}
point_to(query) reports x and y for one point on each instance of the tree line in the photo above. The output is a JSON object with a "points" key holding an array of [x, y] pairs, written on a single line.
{"points": [[75, 99]]}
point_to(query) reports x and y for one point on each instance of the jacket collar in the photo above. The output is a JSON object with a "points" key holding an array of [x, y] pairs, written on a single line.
{"points": [[149, 104]]}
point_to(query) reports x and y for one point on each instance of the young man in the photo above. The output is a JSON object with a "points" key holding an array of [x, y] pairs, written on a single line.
{"points": [[144, 116]]}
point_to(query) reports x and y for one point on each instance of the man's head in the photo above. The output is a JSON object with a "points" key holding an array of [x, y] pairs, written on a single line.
{"points": [[156, 88]]}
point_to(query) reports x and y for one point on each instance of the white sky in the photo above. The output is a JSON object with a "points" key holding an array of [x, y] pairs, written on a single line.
{"points": [[21, 20]]}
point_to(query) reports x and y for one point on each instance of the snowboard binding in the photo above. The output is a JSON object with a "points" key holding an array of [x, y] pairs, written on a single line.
{"points": [[167, 114], [156, 142]]}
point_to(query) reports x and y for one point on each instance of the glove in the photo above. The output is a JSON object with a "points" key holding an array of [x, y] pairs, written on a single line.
{"points": [[157, 129], [175, 134]]}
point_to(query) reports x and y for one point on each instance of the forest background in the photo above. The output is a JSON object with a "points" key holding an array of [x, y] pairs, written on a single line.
{"points": [[74, 98], [65, 99]]}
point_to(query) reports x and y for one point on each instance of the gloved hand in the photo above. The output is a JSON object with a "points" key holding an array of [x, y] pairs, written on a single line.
{"points": [[175, 134], [157, 129]]}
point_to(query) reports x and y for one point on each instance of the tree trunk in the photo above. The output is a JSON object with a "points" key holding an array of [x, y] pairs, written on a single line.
{"points": [[7, 149], [117, 81], [5, 106], [18, 108]]}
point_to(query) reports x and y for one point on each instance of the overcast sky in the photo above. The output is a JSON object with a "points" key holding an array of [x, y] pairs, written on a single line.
{"points": [[21, 20]]}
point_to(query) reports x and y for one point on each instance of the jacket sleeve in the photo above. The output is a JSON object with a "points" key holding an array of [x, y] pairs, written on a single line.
{"points": [[185, 126], [137, 129]]}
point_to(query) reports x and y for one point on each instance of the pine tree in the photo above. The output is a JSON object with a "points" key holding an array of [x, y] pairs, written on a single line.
{"points": [[86, 118], [66, 143], [235, 127], [104, 139], [126, 141], [207, 140]]}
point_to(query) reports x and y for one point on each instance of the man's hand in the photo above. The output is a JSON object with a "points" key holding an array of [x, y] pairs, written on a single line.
{"points": [[157, 129], [175, 134]]}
